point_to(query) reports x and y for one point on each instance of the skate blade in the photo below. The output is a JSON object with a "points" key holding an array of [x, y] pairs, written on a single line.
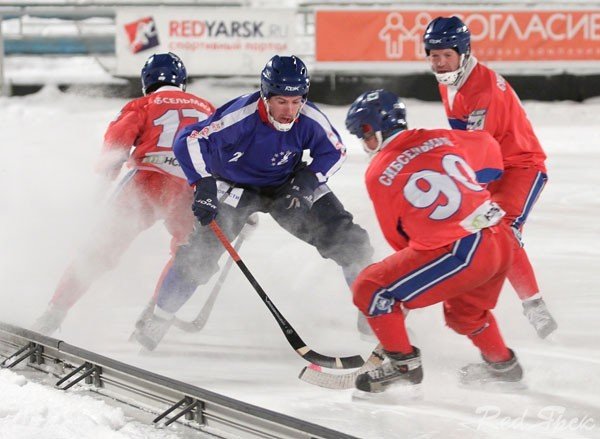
{"points": [[548, 332], [497, 386], [146, 347], [393, 395], [131, 338]]}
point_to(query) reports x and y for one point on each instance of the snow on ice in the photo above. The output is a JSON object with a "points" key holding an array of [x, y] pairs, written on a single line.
{"points": [[51, 198]]}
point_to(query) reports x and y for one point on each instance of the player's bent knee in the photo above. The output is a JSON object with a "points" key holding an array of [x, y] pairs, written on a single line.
{"points": [[345, 245], [361, 301], [198, 273], [464, 324], [363, 290]]}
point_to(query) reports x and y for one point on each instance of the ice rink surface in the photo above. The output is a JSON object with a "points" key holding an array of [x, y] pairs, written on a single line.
{"points": [[51, 198]]}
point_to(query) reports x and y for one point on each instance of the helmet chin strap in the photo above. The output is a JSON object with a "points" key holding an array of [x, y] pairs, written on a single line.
{"points": [[278, 125], [451, 78]]}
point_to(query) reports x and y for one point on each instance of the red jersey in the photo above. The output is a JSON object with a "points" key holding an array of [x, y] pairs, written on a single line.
{"points": [[483, 100], [424, 186], [150, 124]]}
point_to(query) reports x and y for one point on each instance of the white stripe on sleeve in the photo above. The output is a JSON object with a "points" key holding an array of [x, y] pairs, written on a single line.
{"points": [[333, 138], [193, 147]]}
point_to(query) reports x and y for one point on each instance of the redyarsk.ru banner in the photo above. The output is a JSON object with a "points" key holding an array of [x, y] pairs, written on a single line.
{"points": [[215, 41]]}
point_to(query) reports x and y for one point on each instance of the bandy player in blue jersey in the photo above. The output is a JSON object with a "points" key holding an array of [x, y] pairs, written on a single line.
{"points": [[247, 158]]}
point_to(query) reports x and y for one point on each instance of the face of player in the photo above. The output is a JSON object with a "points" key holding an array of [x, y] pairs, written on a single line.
{"points": [[285, 109], [444, 60], [371, 143]]}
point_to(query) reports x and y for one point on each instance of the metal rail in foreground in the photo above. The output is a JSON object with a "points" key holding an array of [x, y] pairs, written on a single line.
{"points": [[172, 401]]}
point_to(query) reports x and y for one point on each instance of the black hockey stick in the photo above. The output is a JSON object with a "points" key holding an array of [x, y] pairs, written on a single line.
{"points": [[197, 324], [315, 376], [290, 333]]}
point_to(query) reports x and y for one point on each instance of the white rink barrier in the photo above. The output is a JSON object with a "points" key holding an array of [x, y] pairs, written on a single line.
{"points": [[212, 414]]}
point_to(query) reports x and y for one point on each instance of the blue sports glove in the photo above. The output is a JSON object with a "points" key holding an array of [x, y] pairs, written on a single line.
{"points": [[206, 204], [298, 192]]}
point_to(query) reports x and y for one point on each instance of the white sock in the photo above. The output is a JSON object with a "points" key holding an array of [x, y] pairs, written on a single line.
{"points": [[536, 296], [161, 313]]}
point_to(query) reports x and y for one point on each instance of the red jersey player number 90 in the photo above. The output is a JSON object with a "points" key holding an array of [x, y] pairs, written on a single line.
{"points": [[424, 188]]}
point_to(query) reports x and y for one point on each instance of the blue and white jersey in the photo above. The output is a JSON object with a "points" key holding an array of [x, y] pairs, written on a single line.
{"points": [[237, 143]]}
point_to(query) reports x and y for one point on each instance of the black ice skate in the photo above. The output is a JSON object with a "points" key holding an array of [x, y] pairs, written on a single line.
{"points": [[540, 318], [151, 331], [401, 368], [509, 371], [49, 322]]}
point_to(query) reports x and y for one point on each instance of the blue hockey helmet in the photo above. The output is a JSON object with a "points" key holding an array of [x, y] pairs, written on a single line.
{"points": [[448, 33], [377, 111], [163, 69], [284, 76]]}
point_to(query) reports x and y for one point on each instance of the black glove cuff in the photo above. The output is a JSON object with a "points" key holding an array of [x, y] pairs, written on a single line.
{"points": [[306, 179], [207, 186]]}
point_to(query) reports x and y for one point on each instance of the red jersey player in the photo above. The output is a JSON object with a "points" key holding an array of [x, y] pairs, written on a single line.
{"points": [[154, 189], [477, 98], [451, 243]]}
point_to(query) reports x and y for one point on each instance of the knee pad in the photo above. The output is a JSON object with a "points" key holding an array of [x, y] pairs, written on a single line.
{"points": [[464, 323], [361, 293], [336, 236], [364, 288], [347, 244], [193, 265]]}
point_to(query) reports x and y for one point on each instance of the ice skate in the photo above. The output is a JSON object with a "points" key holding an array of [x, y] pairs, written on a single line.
{"points": [[49, 322], [486, 373], [400, 369], [151, 331], [145, 315], [540, 318]]}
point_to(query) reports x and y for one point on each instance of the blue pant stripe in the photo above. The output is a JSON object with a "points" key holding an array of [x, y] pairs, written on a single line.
{"points": [[532, 197], [427, 276]]}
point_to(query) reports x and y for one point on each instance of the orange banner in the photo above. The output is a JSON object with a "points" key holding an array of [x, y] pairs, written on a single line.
{"points": [[496, 35]]}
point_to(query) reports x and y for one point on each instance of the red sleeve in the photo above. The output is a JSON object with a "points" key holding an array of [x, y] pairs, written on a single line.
{"points": [[120, 136], [481, 109], [489, 101], [386, 211], [491, 107]]}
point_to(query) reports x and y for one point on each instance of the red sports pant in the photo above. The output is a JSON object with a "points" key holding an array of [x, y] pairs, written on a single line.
{"points": [[143, 197], [517, 192], [466, 276]]}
